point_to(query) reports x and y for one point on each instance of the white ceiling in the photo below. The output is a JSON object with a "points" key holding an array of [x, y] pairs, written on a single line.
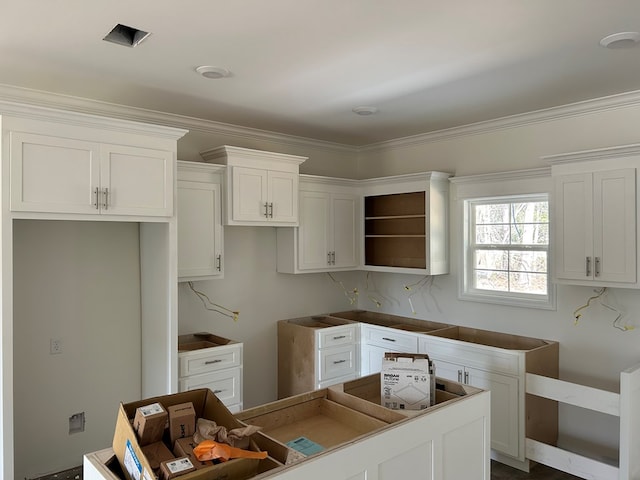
{"points": [[300, 66]]}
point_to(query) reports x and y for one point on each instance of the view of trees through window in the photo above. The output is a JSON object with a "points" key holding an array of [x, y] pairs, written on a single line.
{"points": [[509, 244]]}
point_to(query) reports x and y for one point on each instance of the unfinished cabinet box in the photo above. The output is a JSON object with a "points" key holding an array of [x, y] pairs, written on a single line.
{"points": [[406, 223], [315, 352], [213, 362], [357, 438]]}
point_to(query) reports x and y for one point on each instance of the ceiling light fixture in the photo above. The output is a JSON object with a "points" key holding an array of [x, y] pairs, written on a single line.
{"points": [[364, 111], [621, 40], [208, 71]]}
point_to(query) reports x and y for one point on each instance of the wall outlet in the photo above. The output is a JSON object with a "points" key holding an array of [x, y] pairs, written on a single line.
{"points": [[55, 346], [76, 423]]}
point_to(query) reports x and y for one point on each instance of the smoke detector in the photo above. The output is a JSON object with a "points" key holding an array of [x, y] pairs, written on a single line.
{"points": [[621, 40], [208, 71]]}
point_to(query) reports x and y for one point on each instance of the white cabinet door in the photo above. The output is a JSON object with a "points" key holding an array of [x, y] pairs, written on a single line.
{"points": [[344, 227], [595, 224], [225, 384], [199, 231], [313, 247], [136, 181], [504, 401], [51, 174], [282, 197], [249, 187]]}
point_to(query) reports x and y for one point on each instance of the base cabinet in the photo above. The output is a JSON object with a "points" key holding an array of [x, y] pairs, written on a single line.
{"points": [[504, 401], [209, 361]]}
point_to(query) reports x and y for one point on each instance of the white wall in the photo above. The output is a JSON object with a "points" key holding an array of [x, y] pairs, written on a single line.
{"points": [[263, 296], [78, 282]]}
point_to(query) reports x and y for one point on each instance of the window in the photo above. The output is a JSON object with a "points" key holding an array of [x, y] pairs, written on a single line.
{"points": [[507, 251]]}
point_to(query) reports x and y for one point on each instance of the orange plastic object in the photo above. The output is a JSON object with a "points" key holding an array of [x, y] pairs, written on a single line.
{"points": [[211, 450]]}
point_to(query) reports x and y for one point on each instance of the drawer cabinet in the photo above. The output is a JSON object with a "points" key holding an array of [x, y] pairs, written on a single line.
{"points": [[316, 352], [209, 361], [376, 341]]}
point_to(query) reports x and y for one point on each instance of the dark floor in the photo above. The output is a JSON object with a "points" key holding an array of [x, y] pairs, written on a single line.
{"points": [[538, 472]]}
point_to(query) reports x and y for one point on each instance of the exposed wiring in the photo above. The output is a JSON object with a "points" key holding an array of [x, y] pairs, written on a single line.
{"points": [[601, 295], [213, 307], [352, 295], [369, 296], [426, 280]]}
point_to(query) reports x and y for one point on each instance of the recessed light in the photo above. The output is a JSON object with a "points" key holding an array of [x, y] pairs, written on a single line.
{"points": [[364, 110], [125, 35], [208, 71], [621, 40]]}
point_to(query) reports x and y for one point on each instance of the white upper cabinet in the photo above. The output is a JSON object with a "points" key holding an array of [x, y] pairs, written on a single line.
{"points": [[200, 231], [406, 224], [595, 217], [262, 187], [327, 238], [67, 169]]}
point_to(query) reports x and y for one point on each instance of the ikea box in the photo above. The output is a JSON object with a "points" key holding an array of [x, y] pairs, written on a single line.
{"points": [[406, 381], [134, 463]]}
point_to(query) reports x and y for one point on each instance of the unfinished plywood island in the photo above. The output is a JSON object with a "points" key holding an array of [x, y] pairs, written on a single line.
{"points": [[357, 438]]}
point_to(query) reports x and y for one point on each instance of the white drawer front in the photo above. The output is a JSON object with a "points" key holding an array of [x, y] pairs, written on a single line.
{"points": [[471, 355], [209, 359], [390, 338], [227, 384], [337, 362], [334, 336]]}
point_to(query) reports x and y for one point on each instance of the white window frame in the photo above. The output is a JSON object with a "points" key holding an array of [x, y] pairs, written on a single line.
{"points": [[504, 187]]}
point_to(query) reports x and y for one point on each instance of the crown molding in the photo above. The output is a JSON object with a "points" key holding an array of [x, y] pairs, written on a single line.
{"points": [[595, 154], [39, 98], [586, 107], [543, 172]]}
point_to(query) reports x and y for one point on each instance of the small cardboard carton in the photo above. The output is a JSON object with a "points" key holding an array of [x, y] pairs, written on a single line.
{"points": [[182, 421], [407, 381], [149, 423], [175, 468], [157, 453], [136, 466]]}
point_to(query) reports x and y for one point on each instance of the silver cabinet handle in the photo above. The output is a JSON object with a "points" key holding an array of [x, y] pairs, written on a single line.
{"points": [[271, 210], [266, 209], [328, 258], [466, 377], [338, 337], [209, 362], [459, 376], [219, 263], [96, 192], [389, 339], [338, 361], [333, 257], [597, 266], [218, 391], [105, 205], [588, 266]]}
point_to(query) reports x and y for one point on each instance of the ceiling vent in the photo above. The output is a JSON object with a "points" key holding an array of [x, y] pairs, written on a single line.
{"points": [[127, 36]]}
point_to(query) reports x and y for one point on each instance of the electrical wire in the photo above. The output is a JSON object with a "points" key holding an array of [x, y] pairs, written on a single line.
{"points": [[213, 307], [576, 312], [427, 279], [369, 296], [352, 295], [600, 295]]}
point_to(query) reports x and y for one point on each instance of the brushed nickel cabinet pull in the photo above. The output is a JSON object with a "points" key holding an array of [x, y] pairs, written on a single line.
{"points": [[96, 193], [389, 339], [597, 266], [588, 266], [209, 362]]}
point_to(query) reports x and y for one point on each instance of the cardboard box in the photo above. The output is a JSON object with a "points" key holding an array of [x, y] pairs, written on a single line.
{"points": [[175, 468], [407, 381], [182, 421], [135, 465], [157, 453], [184, 448], [149, 423]]}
